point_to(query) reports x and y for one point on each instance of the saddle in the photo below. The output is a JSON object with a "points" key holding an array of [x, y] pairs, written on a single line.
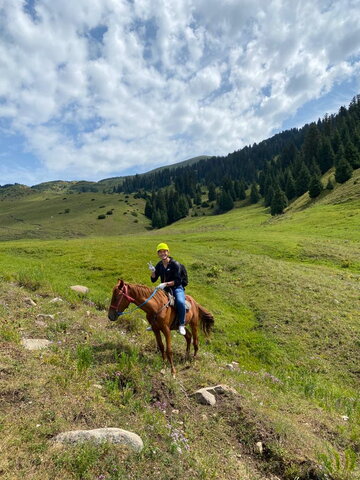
{"points": [[172, 301]]}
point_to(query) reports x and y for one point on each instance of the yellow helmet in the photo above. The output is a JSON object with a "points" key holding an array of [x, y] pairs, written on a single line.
{"points": [[162, 246]]}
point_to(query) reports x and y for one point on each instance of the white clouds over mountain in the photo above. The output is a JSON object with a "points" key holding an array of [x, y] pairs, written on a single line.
{"points": [[97, 88]]}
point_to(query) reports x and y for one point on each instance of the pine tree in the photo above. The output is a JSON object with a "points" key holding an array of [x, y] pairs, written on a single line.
{"points": [[269, 196], [315, 187], [343, 171], [302, 180], [279, 202], [212, 192], [326, 156], [254, 194], [290, 189], [311, 144], [242, 191], [352, 155], [225, 202], [148, 209]]}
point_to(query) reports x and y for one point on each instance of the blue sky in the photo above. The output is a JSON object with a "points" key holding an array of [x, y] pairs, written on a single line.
{"points": [[90, 90]]}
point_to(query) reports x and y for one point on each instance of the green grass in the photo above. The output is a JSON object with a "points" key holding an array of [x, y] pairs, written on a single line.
{"points": [[285, 295]]}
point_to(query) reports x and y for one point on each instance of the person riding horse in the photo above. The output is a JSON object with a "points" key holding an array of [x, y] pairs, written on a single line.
{"points": [[168, 270]]}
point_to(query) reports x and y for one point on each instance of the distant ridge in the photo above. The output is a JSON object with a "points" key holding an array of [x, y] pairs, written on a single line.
{"points": [[111, 181]]}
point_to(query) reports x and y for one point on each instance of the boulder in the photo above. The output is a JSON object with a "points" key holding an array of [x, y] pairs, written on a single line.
{"points": [[101, 435], [80, 289], [204, 397], [207, 395], [35, 343]]}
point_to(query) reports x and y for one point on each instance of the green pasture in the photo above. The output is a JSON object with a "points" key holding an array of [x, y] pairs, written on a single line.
{"points": [[284, 292], [66, 214]]}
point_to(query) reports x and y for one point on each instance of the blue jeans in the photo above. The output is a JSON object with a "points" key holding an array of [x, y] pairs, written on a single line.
{"points": [[179, 295]]}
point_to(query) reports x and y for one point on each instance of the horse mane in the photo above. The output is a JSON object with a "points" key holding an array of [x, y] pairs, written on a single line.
{"points": [[144, 289]]}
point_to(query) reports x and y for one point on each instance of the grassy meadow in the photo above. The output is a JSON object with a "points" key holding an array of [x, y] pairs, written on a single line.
{"points": [[285, 295]]}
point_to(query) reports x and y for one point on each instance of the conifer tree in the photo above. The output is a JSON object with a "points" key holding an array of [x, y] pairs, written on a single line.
{"points": [[225, 201], [148, 209], [352, 155], [315, 187], [279, 202], [290, 190], [269, 196], [343, 171], [242, 191], [326, 156], [212, 192], [302, 180], [254, 194]]}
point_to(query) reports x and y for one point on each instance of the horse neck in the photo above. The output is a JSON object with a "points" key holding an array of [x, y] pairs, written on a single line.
{"points": [[141, 293]]}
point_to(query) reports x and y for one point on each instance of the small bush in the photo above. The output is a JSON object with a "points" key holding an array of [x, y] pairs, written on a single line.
{"points": [[109, 212], [101, 217]]}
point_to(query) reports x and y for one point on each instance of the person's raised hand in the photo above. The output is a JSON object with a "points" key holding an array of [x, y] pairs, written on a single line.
{"points": [[151, 267]]}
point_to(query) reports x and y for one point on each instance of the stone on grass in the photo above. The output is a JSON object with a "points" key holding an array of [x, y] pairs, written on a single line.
{"points": [[35, 343], [207, 395], [29, 301], [80, 289], [56, 300], [204, 397], [45, 316], [101, 435]]}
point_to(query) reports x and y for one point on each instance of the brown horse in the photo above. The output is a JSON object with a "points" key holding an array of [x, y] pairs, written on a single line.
{"points": [[161, 316]]}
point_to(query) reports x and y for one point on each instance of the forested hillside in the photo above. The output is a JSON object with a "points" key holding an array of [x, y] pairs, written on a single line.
{"points": [[278, 169]]}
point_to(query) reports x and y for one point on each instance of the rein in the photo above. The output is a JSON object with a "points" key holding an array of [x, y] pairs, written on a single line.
{"points": [[131, 300]]}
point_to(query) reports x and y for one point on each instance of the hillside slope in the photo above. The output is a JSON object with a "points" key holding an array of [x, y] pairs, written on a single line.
{"points": [[285, 295]]}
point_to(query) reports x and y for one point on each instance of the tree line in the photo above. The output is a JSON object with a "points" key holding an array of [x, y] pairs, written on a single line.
{"points": [[277, 170]]}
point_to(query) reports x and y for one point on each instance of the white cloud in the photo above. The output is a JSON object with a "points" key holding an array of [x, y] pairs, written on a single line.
{"points": [[97, 88]]}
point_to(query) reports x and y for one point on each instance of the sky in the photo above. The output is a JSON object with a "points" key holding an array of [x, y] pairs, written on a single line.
{"points": [[103, 88]]}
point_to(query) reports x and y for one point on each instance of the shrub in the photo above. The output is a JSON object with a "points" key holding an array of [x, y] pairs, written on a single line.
{"points": [[101, 217]]}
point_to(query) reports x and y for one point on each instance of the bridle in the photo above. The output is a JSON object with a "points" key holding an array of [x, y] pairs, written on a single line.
{"points": [[124, 294]]}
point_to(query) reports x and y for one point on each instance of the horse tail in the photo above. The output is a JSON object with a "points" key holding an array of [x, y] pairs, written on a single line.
{"points": [[206, 319]]}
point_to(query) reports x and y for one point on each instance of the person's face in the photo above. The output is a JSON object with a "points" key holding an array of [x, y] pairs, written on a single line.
{"points": [[163, 254]]}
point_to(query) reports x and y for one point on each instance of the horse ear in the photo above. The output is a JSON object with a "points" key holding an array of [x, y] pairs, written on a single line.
{"points": [[120, 283]]}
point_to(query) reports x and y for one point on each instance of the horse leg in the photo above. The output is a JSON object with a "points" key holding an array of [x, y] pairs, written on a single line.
{"points": [[188, 344], [160, 343], [169, 353], [195, 338]]}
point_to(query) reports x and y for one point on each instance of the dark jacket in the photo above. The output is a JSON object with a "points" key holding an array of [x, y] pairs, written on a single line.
{"points": [[168, 274]]}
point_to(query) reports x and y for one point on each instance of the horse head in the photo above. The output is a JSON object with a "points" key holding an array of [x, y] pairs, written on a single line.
{"points": [[120, 300]]}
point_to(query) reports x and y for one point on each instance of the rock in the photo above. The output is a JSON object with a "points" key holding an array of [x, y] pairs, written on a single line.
{"points": [[56, 300], [230, 366], [100, 435], [80, 289], [35, 343], [204, 397], [29, 301], [207, 395], [44, 316], [40, 323], [221, 390], [259, 448]]}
